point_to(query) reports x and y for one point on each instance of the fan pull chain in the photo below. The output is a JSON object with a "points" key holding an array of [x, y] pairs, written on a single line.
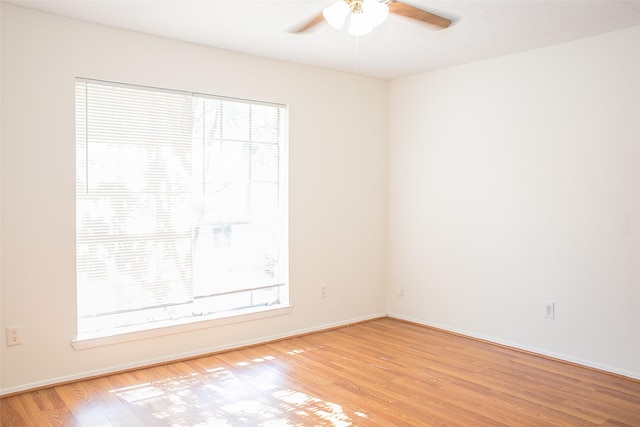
{"points": [[355, 83], [357, 41]]}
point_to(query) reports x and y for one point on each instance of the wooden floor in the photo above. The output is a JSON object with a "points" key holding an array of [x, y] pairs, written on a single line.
{"points": [[379, 373]]}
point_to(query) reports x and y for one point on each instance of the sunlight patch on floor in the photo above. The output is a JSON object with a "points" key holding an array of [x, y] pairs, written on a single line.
{"points": [[253, 393]]}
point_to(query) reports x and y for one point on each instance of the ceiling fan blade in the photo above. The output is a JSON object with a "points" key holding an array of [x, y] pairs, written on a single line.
{"points": [[413, 12], [304, 27]]}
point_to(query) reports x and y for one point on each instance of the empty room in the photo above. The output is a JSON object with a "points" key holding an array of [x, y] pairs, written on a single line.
{"points": [[319, 213]]}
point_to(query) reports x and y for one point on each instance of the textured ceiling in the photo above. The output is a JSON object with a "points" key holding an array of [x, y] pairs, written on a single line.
{"points": [[397, 48]]}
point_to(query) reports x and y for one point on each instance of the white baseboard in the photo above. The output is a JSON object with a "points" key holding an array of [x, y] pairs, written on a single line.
{"points": [[179, 356], [578, 361], [238, 344]]}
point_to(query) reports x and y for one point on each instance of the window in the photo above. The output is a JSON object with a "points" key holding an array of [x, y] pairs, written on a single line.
{"points": [[181, 207]]}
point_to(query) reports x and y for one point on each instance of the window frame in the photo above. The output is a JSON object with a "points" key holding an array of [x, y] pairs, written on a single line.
{"points": [[170, 326]]}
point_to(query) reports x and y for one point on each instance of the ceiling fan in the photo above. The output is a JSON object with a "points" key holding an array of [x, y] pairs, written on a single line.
{"points": [[365, 14]]}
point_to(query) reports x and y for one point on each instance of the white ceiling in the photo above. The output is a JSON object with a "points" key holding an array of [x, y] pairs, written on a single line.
{"points": [[397, 48]]}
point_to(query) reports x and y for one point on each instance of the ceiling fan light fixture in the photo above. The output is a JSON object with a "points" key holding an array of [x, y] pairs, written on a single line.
{"points": [[375, 11], [336, 14], [360, 24]]}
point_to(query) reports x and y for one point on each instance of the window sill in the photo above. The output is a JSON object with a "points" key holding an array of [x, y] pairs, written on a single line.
{"points": [[140, 332]]}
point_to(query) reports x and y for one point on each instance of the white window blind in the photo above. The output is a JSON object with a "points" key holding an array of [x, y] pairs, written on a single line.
{"points": [[180, 206]]}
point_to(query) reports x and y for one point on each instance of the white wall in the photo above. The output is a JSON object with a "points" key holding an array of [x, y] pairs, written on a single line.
{"points": [[515, 181], [337, 190], [511, 182]]}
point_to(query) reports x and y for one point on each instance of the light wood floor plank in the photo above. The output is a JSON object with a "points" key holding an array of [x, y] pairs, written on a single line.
{"points": [[379, 373]]}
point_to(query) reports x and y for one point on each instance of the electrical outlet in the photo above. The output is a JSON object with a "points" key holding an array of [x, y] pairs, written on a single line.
{"points": [[14, 335], [549, 310], [323, 291]]}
